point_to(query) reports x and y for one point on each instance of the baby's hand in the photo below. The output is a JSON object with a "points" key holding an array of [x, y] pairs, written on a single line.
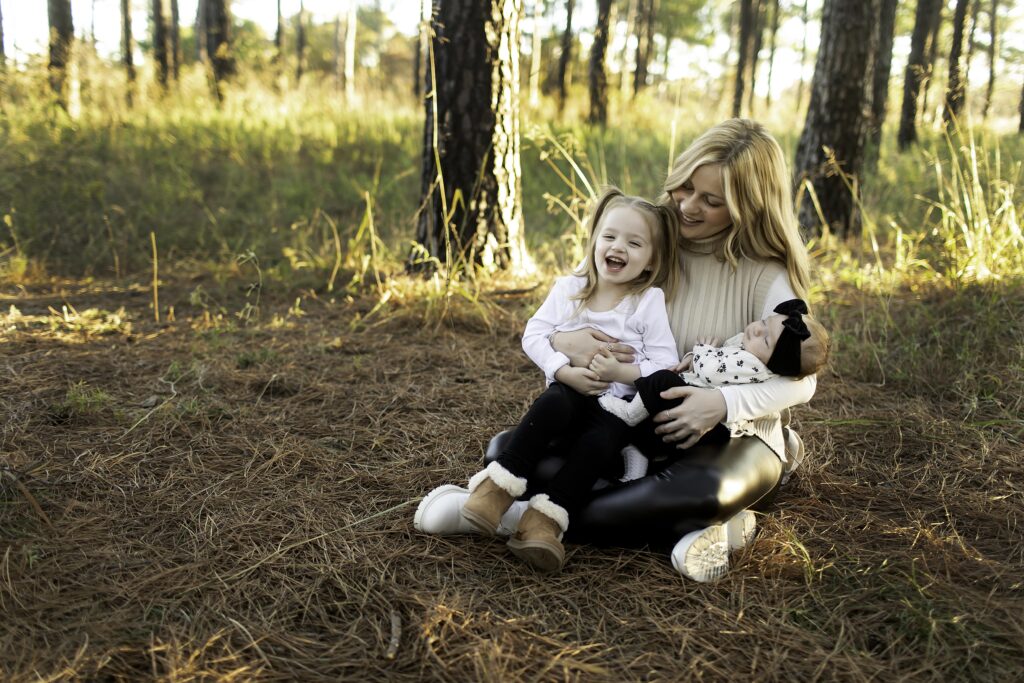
{"points": [[685, 364], [709, 341]]}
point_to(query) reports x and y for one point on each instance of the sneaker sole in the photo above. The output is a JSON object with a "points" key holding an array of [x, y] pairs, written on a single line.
{"points": [[703, 555]]}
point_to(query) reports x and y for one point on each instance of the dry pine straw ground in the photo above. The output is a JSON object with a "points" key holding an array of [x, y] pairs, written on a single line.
{"points": [[194, 502]]}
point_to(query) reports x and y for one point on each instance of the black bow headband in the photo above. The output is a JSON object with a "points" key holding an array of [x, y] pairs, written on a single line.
{"points": [[785, 359]]}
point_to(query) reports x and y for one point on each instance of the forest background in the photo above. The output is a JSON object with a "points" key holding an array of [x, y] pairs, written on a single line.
{"points": [[243, 331]]}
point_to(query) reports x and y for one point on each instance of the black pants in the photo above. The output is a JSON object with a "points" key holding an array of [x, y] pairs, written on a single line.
{"points": [[650, 389], [703, 485], [592, 441]]}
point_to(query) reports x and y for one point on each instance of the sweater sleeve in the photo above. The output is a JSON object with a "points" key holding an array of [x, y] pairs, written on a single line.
{"points": [[750, 401], [651, 321], [556, 309]]}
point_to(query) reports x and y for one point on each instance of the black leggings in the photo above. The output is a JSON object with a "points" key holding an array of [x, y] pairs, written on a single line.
{"points": [[706, 485]]}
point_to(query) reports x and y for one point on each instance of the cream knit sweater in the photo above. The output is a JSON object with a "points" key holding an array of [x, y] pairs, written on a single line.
{"points": [[715, 300]]}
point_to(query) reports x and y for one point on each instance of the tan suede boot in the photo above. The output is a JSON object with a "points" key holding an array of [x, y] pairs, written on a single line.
{"points": [[492, 492], [538, 540]]}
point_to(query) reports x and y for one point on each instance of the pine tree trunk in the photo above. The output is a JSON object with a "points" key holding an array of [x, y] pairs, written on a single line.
{"points": [[625, 80], [535, 48], [755, 50], [218, 42], [62, 33], [300, 42], [471, 205], [916, 71], [1020, 127], [202, 12], [645, 45], [774, 7], [992, 23], [883, 65], [975, 9], [279, 35], [158, 20], [128, 51], [598, 77], [957, 83], [743, 47], [175, 40], [803, 56], [3, 55], [565, 59], [933, 55], [351, 24], [838, 114]]}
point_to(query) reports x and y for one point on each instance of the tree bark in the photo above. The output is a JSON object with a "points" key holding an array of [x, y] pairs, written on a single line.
{"points": [[202, 11], [916, 71], [62, 33], [645, 45], [838, 115], [471, 199], [1020, 126], [774, 7], [883, 66], [625, 80], [535, 49], [992, 23], [300, 42], [598, 77], [3, 55], [175, 40], [161, 39], [933, 56], [803, 55], [746, 30], [218, 42], [565, 59], [351, 25], [128, 51], [755, 50], [957, 83], [279, 35]]}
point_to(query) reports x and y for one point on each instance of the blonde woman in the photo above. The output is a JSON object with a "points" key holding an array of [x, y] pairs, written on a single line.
{"points": [[740, 256]]}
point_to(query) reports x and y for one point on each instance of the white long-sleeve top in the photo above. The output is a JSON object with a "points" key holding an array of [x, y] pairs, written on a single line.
{"points": [[641, 321]]}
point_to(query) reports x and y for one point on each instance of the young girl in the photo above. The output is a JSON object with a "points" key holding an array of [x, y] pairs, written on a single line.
{"points": [[789, 343], [620, 289]]}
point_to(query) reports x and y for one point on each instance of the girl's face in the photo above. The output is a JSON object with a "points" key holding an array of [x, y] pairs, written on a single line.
{"points": [[624, 245], [701, 204], [761, 336]]}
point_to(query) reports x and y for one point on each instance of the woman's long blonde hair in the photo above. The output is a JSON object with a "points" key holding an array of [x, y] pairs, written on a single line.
{"points": [[757, 192], [664, 226]]}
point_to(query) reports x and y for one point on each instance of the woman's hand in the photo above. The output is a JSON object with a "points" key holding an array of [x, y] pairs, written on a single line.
{"points": [[700, 411], [582, 345], [583, 380]]}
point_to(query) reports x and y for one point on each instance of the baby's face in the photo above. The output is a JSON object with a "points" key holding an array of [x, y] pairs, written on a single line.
{"points": [[761, 336]]}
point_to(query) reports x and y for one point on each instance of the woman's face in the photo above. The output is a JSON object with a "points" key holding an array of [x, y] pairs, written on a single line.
{"points": [[701, 204]]}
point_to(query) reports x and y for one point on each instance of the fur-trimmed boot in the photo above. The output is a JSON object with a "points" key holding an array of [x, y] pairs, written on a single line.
{"points": [[538, 540], [491, 492]]}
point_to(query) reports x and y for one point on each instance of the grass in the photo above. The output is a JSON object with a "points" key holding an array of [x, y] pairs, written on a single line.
{"points": [[227, 493]]}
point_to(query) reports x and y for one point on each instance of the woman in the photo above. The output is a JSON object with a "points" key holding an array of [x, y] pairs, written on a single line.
{"points": [[740, 256]]}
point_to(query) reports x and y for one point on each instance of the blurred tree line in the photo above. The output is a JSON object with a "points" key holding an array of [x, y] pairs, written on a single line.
{"points": [[471, 58]]}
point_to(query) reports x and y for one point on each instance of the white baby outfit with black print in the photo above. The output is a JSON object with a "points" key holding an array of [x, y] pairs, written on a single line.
{"points": [[718, 366]]}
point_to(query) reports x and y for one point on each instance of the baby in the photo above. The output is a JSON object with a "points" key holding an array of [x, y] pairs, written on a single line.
{"points": [[789, 343]]}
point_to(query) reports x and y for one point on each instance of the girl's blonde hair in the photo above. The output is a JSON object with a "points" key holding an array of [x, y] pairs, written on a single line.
{"points": [[757, 192], [663, 271]]}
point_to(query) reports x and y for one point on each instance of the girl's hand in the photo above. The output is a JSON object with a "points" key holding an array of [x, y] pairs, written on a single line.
{"points": [[582, 345], [699, 412], [582, 380], [611, 370], [685, 364]]}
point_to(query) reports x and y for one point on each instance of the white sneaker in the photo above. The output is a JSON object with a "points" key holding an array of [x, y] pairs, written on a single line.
{"points": [[703, 555], [440, 513]]}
